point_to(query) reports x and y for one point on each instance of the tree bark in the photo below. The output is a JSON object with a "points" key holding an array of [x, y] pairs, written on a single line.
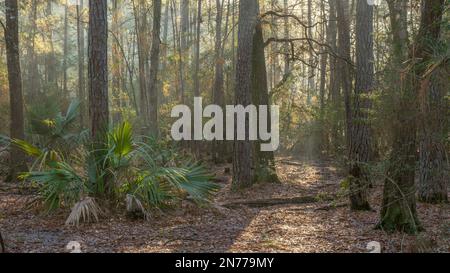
{"points": [[15, 86], [218, 89], [117, 61], [81, 64], [433, 125], [434, 165], [398, 210], [242, 153], [399, 196], [334, 82], [65, 49], [154, 68], [311, 69], [344, 46], [360, 138], [98, 69], [140, 17], [263, 162], [287, 58], [33, 86], [50, 60]]}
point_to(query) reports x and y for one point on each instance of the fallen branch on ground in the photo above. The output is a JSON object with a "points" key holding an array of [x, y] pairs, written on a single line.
{"points": [[333, 206], [276, 201]]}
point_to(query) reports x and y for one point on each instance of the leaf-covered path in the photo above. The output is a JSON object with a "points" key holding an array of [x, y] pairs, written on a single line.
{"points": [[323, 223]]}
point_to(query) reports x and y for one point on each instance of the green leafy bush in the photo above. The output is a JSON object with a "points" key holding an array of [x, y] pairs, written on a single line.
{"points": [[144, 172]]}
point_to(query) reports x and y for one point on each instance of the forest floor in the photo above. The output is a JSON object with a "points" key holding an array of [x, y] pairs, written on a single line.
{"points": [[297, 215]]}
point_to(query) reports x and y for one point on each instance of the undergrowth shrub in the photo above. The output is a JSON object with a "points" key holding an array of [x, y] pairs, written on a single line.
{"points": [[145, 174]]}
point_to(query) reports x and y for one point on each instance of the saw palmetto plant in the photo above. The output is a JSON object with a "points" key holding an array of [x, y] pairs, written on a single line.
{"points": [[143, 173]]}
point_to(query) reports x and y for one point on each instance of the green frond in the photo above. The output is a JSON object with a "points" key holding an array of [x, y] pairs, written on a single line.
{"points": [[121, 139], [27, 148]]}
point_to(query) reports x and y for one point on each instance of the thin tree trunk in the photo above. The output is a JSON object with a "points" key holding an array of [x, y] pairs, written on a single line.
{"points": [[81, 64], [165, 45], [343, 17], [34, 82], [334, 75], [197, 50], [142, 47], [323, 78], [116, 66], [154, 68], [311, 72], [287, 57], [184, 46], [218, 89], [50, 62], [66, 49]]}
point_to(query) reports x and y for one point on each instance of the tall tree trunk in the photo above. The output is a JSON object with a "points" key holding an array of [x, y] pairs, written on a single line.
{"points": [[197, 50], [184, 46], [98, 69], [344, 66], [263, 161], [360, 138], [65, 49], [154, 68], [15, 85], [184, 25], [433, 125], [287, 56], [242, 153], [334, 83], [218, 89], [398, 210], [323, 78], [233, 43], [81, 64], [273, 56], [434, 165], [116, 59], [50, 61], [33, 88], [177, 48], [399, 200], [165, 45], [311, 72], [140, 17]]}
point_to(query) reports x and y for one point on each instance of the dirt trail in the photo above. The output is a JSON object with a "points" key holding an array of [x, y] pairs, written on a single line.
{"points": [[318, 226]]}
